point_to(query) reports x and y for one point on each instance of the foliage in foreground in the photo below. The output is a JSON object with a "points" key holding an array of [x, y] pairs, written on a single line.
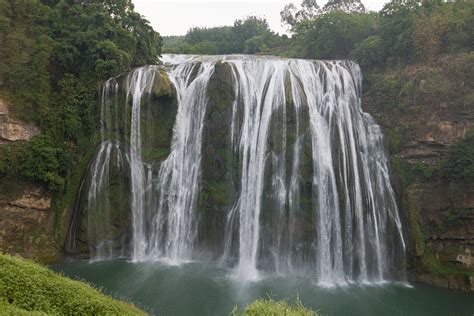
{"points": [[28, 287], [269, 307]]}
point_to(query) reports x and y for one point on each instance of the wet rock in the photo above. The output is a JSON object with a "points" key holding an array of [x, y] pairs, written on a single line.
{"points": [[162, 85]]}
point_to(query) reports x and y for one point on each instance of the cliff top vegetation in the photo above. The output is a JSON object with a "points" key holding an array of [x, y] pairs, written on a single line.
{"points": [[54, 55]]}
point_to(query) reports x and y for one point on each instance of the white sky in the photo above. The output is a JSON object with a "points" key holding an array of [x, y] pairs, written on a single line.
{"points": [[176, 17]]}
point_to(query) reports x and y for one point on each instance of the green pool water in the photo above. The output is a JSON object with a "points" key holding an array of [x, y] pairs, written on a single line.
{"points": [[205, 289]]}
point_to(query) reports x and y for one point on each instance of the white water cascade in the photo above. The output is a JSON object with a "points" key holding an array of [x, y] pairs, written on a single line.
{"points": [[139, 83], [174, 226], [313, 193]]}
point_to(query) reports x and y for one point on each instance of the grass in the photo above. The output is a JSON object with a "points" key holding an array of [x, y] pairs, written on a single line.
{"points": [[270, 307], [10, 310], [27, 288]]}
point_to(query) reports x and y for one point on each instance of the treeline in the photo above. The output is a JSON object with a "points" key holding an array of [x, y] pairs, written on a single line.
{"points": [[250, 35], [402, 32], [53, 55]]}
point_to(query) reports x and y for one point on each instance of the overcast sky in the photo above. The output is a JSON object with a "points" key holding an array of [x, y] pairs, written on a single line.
{"points": [[176, 17]]}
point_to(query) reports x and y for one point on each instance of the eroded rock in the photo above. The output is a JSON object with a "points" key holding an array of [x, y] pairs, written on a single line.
{"points": [[11, 129], [27, 225]]}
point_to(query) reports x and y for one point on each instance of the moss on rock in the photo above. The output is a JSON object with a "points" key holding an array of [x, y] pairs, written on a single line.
{"points": [[219, 170], [162, 85]]}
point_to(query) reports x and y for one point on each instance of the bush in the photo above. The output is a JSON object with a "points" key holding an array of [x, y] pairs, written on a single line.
{"points": [[10, 310], [369, 53], [458, 163], [45, 161], [29, 287], [41, 159], [269, 307], [384, 91], [411, 172]]}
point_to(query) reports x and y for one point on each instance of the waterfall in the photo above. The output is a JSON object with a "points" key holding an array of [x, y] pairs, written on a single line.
{"points": [[259, 86], [140, 83], [175, 224], [308, 168]]}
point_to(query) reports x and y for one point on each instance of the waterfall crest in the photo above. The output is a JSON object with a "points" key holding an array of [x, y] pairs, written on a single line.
{"points": [[310, 176]]}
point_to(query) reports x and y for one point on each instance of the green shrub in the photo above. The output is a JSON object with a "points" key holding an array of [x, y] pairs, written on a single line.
{"points": [[26, 286], [433, 87], [9, 157], [384, 91], [41, 159], [411, 172], [45, 161], [369, 53], [10, 310], [72, 117], [269, 307], [394, 138], [458, 164]]}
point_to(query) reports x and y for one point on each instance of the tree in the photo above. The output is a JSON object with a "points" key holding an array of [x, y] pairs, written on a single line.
{"points": [[291, 15], [344, 5], [250, 35], [53, 55], [246, 29], [439, 28], [369, 53], [335, 34], [396, 21]]}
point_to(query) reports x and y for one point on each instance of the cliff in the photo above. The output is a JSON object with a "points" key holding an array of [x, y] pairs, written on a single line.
{"points": [[27, 224], [26, 215], [424, 110]]}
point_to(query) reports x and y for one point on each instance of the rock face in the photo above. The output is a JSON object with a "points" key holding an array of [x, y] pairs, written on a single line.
{"points": [[27, 225], [441, 227], [26, 217], [12, 130], [436, 112], [101, 219]]}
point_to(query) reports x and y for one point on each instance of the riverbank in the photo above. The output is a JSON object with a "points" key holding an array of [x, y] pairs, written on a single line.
{"points": [[27, 287]]}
